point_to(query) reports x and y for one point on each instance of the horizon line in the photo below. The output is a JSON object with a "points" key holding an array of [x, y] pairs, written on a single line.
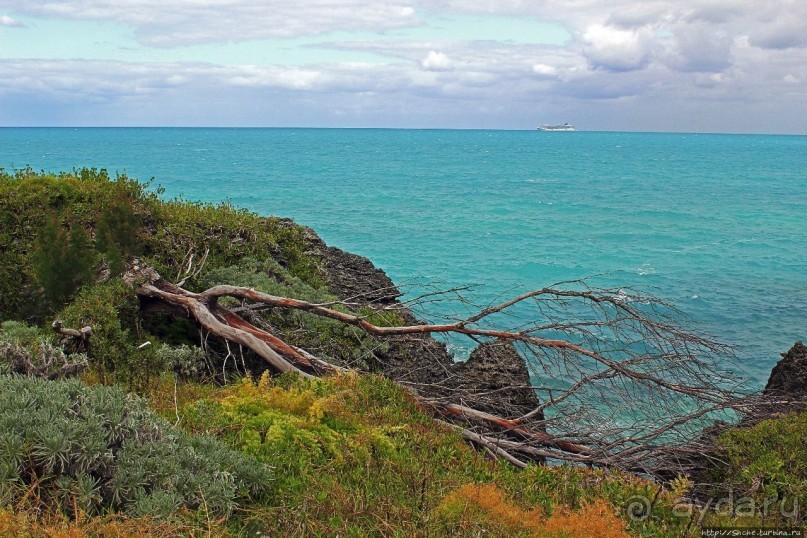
{"points": [[279, 127]]}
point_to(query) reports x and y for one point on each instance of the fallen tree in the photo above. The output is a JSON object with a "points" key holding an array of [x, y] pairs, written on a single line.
{"points": [[620, 384]]}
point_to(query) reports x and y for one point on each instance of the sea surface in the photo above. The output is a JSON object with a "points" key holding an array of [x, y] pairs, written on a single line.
{"points": [[716, 224]]}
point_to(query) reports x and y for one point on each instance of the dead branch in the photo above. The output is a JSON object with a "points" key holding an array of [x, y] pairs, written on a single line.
{"points": [[625, 386], [80, 338], [463, 327], [83, 334], [202, 313], [190, 272], [492, 445], [48, 361]]}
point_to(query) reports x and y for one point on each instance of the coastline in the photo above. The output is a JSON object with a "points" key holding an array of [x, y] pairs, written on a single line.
{"points": [[511, 210], [253, 297]]}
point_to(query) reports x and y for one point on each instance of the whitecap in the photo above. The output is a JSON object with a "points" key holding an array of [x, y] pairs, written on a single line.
{"points": [[646, 269], [621, 296]]}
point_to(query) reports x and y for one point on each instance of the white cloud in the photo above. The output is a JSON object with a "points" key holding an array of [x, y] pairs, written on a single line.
{"points": [[544, 70], [290, 78], [182, 22], [394, 94], [437, 61], [699, 48], [784, 32], [616, 49], [5, 20]]}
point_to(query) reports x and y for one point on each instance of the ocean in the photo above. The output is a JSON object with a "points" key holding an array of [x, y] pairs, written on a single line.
{"points": [[715, 224]]}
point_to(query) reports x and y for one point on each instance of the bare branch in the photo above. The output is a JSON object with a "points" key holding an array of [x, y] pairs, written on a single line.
{"points": [[620, 382], [83, 334], [211, 323]]}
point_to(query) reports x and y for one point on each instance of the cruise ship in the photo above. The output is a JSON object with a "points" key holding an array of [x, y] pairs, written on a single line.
{"points": [[564, 127]]}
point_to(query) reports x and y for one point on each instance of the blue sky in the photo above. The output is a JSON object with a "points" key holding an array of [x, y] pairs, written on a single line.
{"points": [[689, 65]]}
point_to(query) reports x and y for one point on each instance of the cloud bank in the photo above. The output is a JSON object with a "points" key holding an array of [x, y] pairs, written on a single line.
{"points": [[727, 65]]}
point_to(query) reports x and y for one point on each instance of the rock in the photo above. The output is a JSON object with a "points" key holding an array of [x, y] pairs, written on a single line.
{"points": [[788, 380], [351, 277], [355, 278], [494, 379], [786, 391], [497, 380]]}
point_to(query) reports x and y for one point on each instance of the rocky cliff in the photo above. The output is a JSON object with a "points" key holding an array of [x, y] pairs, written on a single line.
{"points": [[493, 379], [788, 380]]}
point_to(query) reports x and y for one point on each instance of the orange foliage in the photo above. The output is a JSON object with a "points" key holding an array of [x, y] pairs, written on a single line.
{"points": [[597, 519], [55, 525], [489, 500], [478, 507]]}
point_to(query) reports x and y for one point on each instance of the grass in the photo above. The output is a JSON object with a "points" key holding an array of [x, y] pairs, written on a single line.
{"points": [[354, 455]]}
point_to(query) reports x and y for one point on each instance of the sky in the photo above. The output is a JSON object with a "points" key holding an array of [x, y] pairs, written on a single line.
{"points": [[734, 66]]}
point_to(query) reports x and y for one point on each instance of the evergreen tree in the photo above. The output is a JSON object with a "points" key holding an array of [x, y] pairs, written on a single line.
{"points": [[116, 231], [62, 261]]}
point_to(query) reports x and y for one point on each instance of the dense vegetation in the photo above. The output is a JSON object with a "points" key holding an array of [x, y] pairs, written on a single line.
{"points": [[767, 466], [212, 445], [99, 449]]}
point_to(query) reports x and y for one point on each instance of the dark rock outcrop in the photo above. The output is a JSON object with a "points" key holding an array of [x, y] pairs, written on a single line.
{"points": [[788, 380], [355, 278], [351, 277], [494, 379], [497, 380]]}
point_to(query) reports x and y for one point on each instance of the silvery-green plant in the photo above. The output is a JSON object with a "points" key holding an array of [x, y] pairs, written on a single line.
{"points": [[100, 449], [30, 351], [187, 362]]}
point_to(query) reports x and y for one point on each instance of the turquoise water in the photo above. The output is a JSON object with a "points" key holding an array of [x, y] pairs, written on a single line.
{"points": [[716, 224]]}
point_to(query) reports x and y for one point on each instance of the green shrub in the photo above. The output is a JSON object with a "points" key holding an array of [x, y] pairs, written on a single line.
{"points": [[65, 237], [189, 363], [356, 456], [222, 236], [98, 449], [343, 344], [766, 463], [47, 222], [112, 309], [267, 276], [46, 360], [20, 333], [336, 445], [118, 229], [93, 214]]}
